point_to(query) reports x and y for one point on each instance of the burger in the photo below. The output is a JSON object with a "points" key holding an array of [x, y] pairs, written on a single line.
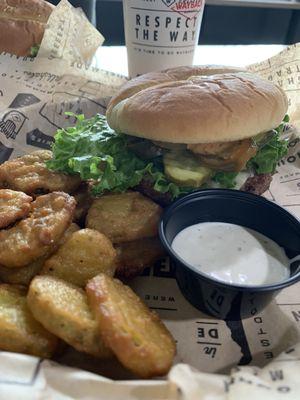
{"points": [[22, 25], [172, 132], [206, 124]]}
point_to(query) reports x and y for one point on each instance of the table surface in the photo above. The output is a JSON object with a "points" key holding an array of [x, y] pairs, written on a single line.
{"points": [[114, 58]]}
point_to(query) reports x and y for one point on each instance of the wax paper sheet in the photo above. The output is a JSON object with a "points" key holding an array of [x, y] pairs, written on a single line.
{"points": [[29, 378], [211, 353]]}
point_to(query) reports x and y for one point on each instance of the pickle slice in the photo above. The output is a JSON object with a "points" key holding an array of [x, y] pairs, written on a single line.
{"points": [[185, 170]]}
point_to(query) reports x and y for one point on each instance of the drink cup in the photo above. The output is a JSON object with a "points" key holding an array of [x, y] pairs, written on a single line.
{"points": [[161, 34]]}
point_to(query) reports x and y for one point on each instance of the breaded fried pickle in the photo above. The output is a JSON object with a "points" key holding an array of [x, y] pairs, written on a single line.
{"points": [[13, 206], [62, 309], [84, 255], [29, 174], [23, 275], [124, 217], [19, 331], [133, 257], [34, 236], [84, 200], [135, 334]]}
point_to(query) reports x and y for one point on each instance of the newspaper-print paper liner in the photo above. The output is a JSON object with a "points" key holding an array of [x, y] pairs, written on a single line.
{"points": [[34, 94], [284, 70]]}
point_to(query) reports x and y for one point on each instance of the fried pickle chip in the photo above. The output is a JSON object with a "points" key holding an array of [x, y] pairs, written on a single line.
{"points": [[23, 275], [84, 255], [135, 334], [29, 174], [13, 206], [35, 236], [133, 257], [124, 217], [84, 200], [62, 309], [19, 331]]}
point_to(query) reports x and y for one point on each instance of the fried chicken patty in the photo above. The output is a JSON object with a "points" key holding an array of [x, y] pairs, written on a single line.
{"points": [[227, 156]]}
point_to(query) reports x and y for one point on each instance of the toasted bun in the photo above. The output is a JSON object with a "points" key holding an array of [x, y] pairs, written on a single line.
{"points": [[197, 105], [168, 75], [22, 24]]}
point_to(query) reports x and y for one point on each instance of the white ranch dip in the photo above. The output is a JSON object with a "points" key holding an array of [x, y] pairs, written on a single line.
{"points": [[232, 253]]}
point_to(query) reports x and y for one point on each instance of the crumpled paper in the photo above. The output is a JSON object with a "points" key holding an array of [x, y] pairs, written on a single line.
{"points": [[34, 95], [29, 378], [278, 380], [284, 70]]}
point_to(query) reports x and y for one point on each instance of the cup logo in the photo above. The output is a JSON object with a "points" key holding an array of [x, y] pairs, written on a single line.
{"points": [[187, 8], [168, 3]]}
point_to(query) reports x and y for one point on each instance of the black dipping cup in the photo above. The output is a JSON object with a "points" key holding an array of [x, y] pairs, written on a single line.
{"points": [[220, 299]]}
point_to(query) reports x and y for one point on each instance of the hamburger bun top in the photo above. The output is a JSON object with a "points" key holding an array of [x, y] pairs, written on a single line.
{"points": [[197, 105], [22, 24]]}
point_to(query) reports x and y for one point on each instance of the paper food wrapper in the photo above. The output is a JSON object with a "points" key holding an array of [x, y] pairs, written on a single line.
{"points": [[28, 378], [34, 95]]}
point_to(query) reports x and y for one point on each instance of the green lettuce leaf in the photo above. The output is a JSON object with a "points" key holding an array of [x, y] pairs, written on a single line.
{"points": [[34, 50], [267, 157], [226, 179], [96, 152]]}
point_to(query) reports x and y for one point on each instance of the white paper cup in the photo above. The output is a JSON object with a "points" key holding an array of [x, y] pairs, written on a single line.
{"points": [[161, 33]]}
